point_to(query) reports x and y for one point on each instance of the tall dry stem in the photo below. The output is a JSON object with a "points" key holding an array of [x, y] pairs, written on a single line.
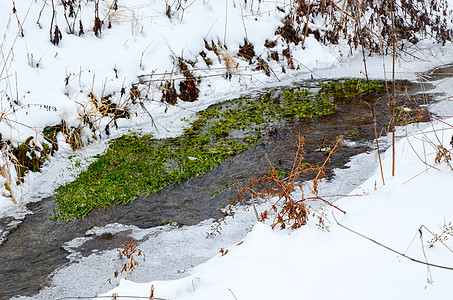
{"points": [[393, 101], [377, 144]]}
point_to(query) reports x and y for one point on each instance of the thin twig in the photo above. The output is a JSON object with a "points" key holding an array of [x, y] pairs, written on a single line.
{"points": [[232, 294], [327, 202], [390, 249], [415, 151], [377, 144], [443, 122], [430, 277], [256, 211]]}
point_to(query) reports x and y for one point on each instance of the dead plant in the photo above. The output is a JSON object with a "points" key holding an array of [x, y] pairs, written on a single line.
{"points": [[447, 231], [376, 137], [188, 88], [55, 33], [286, 211], [105, 106], [247, 51], [19, 24], [231, 64], [102, 108], [9, 171], [151, 293], [444, 155], [71, 10], [117, 13], [169, 93], [134, 94], [368, 23], [129, 253], [262, 65], [97, 28]]}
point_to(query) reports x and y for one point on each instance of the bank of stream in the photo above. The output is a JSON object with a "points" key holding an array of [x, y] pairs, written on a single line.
{"points": [[34, 249]]}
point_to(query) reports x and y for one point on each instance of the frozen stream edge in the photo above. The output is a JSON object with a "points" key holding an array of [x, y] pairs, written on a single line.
{"points": [[171, 252]]}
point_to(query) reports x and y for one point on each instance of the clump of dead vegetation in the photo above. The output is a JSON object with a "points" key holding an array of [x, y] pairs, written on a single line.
{"points": [[278, 190], [228, 58], [129, 253], [181, 83], [188, 85], [72, 12], [367, 23], [188, 88], [384, 27], [443, 155]]}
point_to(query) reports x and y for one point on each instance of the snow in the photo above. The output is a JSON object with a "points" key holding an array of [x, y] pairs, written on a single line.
{"points": [[51, 83]]}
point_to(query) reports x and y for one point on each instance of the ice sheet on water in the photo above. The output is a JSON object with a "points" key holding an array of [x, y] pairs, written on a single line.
{"points": [[170, 253]]}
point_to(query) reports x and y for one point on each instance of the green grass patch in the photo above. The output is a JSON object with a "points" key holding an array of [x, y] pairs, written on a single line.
{"points": [[135, 165]]}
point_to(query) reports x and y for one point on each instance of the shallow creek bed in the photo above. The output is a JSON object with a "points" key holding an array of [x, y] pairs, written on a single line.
{"points": [[33, 250]]}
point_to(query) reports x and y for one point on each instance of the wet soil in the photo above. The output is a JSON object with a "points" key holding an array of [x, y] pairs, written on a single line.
{"points": [[34, 249]]}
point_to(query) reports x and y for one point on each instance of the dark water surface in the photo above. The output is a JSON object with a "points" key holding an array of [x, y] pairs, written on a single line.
{"points": [[34, 249]]}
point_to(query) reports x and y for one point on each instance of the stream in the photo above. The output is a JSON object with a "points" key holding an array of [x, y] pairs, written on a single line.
{"points": [[34, 249]]}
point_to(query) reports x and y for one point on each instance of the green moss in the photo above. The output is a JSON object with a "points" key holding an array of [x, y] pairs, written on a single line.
{"points": [[136, 165]]}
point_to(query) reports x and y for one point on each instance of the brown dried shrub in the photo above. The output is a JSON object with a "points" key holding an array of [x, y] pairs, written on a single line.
{"points": [[286, 211]]}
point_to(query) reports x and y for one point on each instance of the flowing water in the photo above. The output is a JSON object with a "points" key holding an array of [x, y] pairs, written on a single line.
{"points": [[34, 249]]}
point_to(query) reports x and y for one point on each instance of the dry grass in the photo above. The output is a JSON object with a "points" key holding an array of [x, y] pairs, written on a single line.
{"points": [[231, 64], [9, 171], [125, 14]]}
